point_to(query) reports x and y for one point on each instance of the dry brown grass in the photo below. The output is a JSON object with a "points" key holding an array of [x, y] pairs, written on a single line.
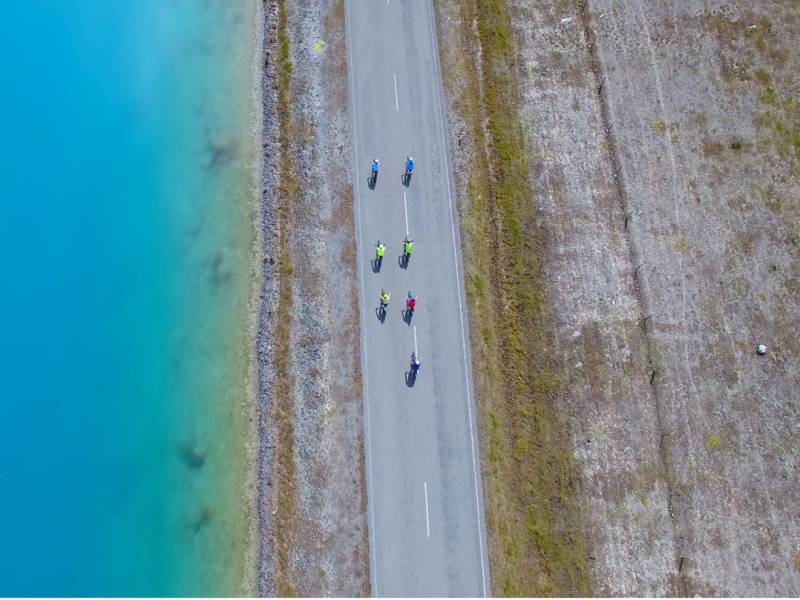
{"points": [[284, 509], [535, 538]]}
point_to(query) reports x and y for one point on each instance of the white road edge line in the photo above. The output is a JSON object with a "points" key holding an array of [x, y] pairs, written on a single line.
{"points": [[437, 84], [415, 340], [405, 210], [364, 353], [396, 103], [427, 518]]}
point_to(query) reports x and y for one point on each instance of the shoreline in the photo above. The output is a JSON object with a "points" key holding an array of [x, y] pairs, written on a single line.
{"points": [[255, 406]]}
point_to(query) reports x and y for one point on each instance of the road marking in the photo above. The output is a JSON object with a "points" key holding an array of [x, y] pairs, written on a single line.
{"points": [[396, 103], [427, 518], [415, 339], [437, 81], [368, 443], [405, 210]]}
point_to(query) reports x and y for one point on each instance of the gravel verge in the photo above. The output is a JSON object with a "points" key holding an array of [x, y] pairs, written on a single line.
{"points": [[268, 299], [313, 506]]}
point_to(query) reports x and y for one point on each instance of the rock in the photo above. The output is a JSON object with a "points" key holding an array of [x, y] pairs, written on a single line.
{"points": [[761, 350]]}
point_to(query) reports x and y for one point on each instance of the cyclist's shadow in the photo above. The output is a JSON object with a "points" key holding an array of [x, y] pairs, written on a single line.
{"points": [[402, 260], [411, 378], [372, 181], [376, 265], [380, 312]]}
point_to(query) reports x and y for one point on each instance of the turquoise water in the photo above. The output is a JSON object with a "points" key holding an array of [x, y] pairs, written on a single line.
{"points": [[125, 231]]}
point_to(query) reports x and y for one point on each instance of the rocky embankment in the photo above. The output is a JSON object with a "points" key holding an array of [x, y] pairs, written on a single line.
{"points": [[312, 496]]}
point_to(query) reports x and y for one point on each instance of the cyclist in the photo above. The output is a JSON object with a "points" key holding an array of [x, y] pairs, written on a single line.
{"points": [[409, 165], [411, 302], [380, 250], [376, 166], [416, 363], [408, 248], [384, 299]]}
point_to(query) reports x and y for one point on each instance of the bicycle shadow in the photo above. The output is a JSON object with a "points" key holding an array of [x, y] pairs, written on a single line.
{"points": [[411, 378]]}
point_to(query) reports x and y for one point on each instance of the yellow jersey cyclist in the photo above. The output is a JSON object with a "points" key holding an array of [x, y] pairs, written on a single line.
{"points": [[408, 248]]}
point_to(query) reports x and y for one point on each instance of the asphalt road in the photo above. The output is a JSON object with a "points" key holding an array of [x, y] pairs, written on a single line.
{"points": [[427, 533]]}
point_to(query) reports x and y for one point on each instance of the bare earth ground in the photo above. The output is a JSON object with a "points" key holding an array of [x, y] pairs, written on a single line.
{"points": [[667, 207], [314, 504]]}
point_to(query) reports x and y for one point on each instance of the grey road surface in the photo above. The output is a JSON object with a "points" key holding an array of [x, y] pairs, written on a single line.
{"points": [[427, 533]]}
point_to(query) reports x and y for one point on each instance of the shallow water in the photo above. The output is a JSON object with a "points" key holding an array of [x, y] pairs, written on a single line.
{"points": [[125, 235]]}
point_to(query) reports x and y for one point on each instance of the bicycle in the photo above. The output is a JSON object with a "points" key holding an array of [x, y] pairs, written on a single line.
{"points": [[376, 166], [409, 170], [416, 363], [411, 304], [408, 248]]}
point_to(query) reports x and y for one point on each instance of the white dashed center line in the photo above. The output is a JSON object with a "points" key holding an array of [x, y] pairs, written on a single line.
{"points": [[427, 518], [405, 211]]}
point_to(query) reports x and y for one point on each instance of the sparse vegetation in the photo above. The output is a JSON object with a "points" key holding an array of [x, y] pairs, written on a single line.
{"points": [[737, 144], [537, 546], [285, 499], [712, 148], [763, 77]]}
